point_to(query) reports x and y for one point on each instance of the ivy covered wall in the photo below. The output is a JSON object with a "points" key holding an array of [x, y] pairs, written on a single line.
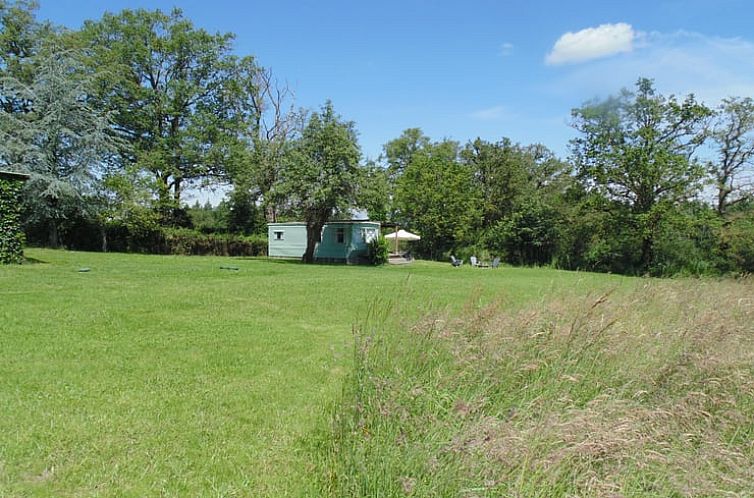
{"points": [[11, 235]]}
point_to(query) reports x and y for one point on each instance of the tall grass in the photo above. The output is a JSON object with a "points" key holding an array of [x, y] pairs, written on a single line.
{"points": [[649, 393]]}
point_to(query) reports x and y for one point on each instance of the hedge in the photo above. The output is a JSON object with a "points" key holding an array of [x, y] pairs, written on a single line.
{"points": [[183, 241], [191, 242], [11, 235]]}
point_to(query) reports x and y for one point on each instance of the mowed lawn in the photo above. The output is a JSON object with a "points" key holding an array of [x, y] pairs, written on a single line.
{"points": [[170, 376]]}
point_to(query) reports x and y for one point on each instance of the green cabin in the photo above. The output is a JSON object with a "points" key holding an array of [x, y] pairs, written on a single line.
{"points": [[342, 241]]}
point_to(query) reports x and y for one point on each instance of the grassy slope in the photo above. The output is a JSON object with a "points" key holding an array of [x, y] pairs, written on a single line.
{"points": [[167, 375], [644, 393]]}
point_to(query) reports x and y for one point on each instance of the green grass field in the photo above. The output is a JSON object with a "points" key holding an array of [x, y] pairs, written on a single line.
{"points": [[154, 375], [170, 376]]}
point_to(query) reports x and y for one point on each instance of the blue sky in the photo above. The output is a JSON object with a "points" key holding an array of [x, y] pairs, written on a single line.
{"points": [[477, 68]]}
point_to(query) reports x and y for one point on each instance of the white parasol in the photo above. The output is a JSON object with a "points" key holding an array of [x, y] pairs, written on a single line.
{"points": [[401, 235]]}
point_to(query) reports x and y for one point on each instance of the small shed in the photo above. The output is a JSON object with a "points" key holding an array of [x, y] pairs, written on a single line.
{"points": [[342, 241], [11, 235]]}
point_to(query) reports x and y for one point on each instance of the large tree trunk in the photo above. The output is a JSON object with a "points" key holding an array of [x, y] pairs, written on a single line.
{"points": [[271, 213], [103, 233], [177, 192], [313, 237], [723, 191], [54, 237], [647, 252]]}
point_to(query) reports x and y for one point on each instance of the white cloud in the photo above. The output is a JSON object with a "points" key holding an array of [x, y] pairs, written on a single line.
{"points": [[490, 113], [506, 49], [592, 43], [681, 62]]}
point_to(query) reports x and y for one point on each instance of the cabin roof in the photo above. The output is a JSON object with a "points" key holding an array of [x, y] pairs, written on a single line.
{"points": [[13, 175]]}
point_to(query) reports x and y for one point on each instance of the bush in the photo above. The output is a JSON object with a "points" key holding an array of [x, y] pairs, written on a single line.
{"points": [[190, 242], [738, 240], [687, 243], [182, 241], [529, 237], [378, 251], [11, 236]]}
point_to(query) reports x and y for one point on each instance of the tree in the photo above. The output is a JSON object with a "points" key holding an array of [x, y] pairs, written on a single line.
{"points": [[733, 136], [637, 148], [507, 174], [20, 40], [374, 192], [173, 93], [61, 141], [500, 175], [398, 152], [437, 197], [272, 125], [529, 236], [322, 172]]}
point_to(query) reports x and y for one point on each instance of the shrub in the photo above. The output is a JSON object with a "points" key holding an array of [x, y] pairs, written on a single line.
{"points": [[190, 242], [529, 237], [378, 251], [738, 240], [11, 236]]}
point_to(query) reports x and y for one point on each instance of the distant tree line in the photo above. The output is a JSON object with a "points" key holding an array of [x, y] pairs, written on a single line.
{"points": [[115, 121], [654, 185]]}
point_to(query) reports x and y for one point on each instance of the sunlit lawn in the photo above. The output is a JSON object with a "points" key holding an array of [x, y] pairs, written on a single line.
{"points": [[170, 376]]}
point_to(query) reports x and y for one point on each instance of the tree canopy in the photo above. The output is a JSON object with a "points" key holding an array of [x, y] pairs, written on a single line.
{"points": [[322, 172], [118, 120], [174, 93]]}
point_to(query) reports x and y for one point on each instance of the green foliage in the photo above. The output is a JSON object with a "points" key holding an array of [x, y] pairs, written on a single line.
{"points": [[599, 235], [192, 243], [209, 219], [62, 143], [436, 197], [530, 236], [686, 241], [733, 138], [21, 37], [509, 174], [137, 229], [140, 231], [322, 173], [242, 213], [11, 235], [374, 193], [400, 151], [378, 251], [738, 242], [271, 125], [174, 92], [636, 147]]}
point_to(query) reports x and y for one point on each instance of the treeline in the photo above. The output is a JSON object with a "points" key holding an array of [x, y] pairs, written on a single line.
{"points": [[116, 120], [655, 185]]}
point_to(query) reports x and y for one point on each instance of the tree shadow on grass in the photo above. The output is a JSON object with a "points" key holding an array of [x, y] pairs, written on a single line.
{"points": [[269, 260], [294, 261], [33, 261]]}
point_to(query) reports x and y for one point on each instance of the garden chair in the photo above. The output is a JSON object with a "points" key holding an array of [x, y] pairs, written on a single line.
{"points": [[474, 261], [455, 262], [495, 262]]}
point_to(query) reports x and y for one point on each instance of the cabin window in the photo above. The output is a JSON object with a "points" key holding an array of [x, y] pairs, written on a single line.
{"points": [[278, 234], [368, 234], [340, 235]]}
